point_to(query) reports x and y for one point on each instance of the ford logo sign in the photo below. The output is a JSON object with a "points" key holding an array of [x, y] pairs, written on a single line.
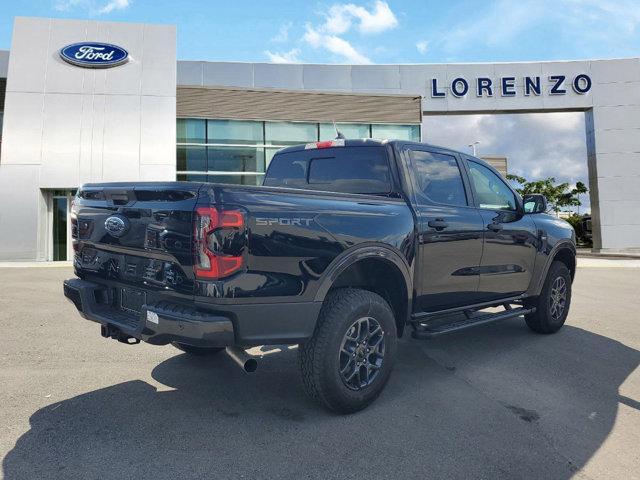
{"points": [[94, 55], [116, 225]]}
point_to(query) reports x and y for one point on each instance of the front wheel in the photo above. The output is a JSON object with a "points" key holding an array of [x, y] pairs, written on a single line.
{"points": [[197, 351], [552, 306], [347, 362]]}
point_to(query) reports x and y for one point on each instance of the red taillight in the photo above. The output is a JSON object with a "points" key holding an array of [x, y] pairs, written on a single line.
{"points": [[208, 264]]}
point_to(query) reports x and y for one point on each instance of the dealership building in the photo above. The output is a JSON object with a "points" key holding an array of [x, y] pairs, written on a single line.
{"points": [[87, 101]]}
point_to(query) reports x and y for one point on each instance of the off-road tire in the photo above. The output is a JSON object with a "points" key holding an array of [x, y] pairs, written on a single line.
{"points": [[320, 355], [197, 351], [543, 320]]}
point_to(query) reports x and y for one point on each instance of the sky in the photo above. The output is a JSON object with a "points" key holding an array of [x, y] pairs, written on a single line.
{"points": [[398, 31], [369, 31]]}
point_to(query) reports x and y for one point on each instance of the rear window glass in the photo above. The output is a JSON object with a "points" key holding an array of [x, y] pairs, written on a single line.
{"points": [[341, 169]]}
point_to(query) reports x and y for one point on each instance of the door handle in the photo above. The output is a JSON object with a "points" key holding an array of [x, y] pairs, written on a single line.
{"points": [[438, 224], [494, 227]]}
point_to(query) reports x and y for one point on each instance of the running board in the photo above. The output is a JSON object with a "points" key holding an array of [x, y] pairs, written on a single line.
{"points": [[476, 306], [430, 331]]}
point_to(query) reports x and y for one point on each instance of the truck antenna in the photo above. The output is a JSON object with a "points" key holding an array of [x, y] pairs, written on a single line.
{"points": [[339, 135]]}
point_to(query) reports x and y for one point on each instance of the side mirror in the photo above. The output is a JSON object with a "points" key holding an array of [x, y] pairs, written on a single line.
{"points": [[534, 203]]}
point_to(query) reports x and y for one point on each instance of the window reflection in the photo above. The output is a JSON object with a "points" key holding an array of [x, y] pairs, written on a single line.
{"points": [[235, 132], [290, 133], [492, 192], [397, 132], [191, 130], [349, 130], [191, 159], [438, 177], [239, 151]]}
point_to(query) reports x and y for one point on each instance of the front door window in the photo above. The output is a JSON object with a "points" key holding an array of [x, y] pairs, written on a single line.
{"points": [[491, 191]]}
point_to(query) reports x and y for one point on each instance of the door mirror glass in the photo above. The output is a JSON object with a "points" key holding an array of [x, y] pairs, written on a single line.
{"points": [[535, 203]]}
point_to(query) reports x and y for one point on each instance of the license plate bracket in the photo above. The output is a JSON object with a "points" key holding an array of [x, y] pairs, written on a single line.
{"points": [[132, 300]]}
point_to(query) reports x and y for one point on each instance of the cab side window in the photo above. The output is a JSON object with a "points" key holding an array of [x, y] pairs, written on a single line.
{"points": [[491, 191], [438, 178]]}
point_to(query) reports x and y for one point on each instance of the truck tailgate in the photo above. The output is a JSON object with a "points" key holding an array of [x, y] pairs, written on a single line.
{"points": [[138, 234]]}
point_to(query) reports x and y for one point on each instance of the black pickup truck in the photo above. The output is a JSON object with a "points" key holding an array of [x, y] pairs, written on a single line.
{"points": [[348, 244]]}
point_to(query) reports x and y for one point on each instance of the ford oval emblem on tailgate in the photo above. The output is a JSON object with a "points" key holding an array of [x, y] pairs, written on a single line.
{"points": [[116, 225]]}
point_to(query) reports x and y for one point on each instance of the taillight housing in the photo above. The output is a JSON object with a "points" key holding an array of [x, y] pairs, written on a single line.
{"points": [[207, 263], [325, 144]]}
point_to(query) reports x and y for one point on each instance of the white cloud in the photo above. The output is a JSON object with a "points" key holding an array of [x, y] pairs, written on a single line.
{"points": [[422, 46], [91, 7], [329, 33], [341, 16], [334, 44], [115, 5], [283, 33], [292, 56], [561, 121]]}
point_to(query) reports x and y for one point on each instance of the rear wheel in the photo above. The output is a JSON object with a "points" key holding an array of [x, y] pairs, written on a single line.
{"points": [[552, 306], [197, 351], [347, 362]]}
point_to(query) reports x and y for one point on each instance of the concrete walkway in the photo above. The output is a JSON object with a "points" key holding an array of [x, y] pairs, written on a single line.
{"points": [[608, 263]]}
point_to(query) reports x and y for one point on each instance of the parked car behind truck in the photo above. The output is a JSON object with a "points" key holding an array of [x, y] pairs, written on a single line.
{"points": [[348, 244]]}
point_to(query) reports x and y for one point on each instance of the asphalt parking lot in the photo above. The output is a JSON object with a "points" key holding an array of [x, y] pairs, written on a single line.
{"points": [[494, 402]]}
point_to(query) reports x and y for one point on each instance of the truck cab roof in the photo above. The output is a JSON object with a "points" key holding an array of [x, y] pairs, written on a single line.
{"points": [[368, 142]]}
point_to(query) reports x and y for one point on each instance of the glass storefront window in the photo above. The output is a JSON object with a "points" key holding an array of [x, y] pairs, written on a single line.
{"points": [[236, 179], [230, 179], [234, 131], [349, 130], [191, 159], [191, 177], [191, 130], [218, 161], [290, 133], [396, 132], [235, 159]]}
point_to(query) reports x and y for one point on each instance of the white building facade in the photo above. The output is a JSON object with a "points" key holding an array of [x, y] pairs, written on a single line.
{"points": [[150, 117]]}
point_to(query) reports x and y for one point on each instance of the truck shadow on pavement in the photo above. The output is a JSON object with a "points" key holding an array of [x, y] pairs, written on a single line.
{"points": [[498, 402]]}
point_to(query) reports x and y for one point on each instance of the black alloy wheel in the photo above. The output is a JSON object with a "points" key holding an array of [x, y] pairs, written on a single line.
{"points": [[361, 353]]}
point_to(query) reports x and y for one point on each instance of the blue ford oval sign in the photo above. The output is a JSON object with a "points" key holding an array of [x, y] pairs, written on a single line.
{"points": [[94, 55]]}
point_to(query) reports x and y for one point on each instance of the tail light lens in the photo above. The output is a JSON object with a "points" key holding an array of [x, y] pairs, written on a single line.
{"points": [[325, 144], [209, 264]]}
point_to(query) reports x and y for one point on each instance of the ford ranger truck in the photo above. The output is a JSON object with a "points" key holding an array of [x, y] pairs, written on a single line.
{"points": [[347, 245]]}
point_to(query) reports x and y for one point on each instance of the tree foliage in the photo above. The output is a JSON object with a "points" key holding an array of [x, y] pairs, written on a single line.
{"points": [[558, 196]]}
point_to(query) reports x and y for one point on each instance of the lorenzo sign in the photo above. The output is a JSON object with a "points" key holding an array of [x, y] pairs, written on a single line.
{"points": [[94, 55], [485, 87]]}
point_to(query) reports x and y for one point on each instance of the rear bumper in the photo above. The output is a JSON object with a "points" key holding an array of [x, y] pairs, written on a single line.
{"points": [[158, 324], [163, 322]]}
